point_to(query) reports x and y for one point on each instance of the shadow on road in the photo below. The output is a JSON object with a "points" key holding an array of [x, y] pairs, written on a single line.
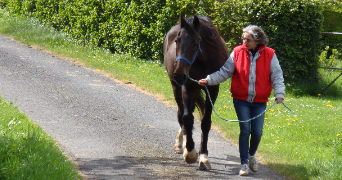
{"points": [[123, 167]]}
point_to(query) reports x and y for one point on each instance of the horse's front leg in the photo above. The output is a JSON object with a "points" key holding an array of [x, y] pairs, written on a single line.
{"points": [[190, 155], [204, 164], [180, 141]]}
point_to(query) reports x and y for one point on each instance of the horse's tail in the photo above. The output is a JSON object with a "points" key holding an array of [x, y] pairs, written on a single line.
{"points": [[200, 103]]}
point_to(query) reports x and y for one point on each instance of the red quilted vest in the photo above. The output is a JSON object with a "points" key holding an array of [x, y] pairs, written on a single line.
{"points": [[240, 79]]}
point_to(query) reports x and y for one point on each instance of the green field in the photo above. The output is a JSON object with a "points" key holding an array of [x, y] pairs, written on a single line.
{"points": [[303, 144]]}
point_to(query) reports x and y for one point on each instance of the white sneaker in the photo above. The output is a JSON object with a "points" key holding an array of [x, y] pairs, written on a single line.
{"points": [[253, 164], [244, 170]]}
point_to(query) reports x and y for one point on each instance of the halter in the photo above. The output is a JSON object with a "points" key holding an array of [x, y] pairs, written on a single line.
{"points": [[185, 59]]}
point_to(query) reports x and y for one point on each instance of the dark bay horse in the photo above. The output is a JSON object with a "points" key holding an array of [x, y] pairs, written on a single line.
{"points": [[193, 48]]}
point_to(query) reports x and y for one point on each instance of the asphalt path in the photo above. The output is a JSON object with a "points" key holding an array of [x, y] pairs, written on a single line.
{"points": [[109, 129]]}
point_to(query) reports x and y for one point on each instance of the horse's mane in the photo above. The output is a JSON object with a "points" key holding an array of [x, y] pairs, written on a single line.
{"points": [[209, 33]]}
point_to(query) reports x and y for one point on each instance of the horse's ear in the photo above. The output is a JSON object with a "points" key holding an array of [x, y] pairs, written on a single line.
{"points": [[182, 20], [196, 23]]}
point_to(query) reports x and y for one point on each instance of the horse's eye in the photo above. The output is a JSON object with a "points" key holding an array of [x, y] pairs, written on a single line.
{"points": [[177, 39], [178, 36]]}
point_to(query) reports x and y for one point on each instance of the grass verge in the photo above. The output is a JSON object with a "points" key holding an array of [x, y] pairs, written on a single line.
{"points": [[303, 144], [27, 152]]}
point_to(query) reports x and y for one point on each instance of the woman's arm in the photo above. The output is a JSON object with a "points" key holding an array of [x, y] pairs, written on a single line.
{"points": [[225, 72], [277, 79]]}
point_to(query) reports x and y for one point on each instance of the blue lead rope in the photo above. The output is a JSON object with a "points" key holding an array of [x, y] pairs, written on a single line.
{"points": [[212, 104]]}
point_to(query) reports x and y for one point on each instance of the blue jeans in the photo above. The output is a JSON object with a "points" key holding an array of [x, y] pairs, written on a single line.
{"points": [[246, 110]]}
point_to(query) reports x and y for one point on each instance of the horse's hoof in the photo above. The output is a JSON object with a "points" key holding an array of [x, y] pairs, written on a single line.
{"points": [[190, 157], [178, 150], [204, 163]]}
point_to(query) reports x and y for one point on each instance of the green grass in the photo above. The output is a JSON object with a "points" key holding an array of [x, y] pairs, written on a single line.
{"points": [[302, 144], [27, 152]]}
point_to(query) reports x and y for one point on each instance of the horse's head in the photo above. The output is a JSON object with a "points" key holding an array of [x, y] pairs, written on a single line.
{"points": [[187, 47]]}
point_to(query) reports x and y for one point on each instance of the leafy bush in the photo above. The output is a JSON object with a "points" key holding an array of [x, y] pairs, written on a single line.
{"points": [[138, 27], [293, 28], [332, 60], [231, 17]]}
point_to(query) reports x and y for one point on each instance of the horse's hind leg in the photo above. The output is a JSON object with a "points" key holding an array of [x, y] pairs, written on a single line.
{"points": [[204, 164], [179, 142]]}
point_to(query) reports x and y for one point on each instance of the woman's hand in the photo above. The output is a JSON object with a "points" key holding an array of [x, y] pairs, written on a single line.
{"points": [[279, 100], [202, 82]]}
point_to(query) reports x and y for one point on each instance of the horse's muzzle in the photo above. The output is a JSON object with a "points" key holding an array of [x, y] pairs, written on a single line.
{"points": [[179, 78]]}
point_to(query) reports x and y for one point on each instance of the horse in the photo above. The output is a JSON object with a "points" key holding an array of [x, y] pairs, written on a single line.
{"points": [[193, 48]]}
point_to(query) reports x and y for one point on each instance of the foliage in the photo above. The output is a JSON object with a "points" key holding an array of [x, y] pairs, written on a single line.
{"points": [[293, 28], [138, 27], [333, 5], [332, 60], [230, 17]]}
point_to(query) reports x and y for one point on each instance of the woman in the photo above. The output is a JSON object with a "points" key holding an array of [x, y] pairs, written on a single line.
{"points": [[254, 69]]}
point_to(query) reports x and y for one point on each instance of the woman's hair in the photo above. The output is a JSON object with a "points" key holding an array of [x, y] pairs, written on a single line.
{"points": [[257, 33]]}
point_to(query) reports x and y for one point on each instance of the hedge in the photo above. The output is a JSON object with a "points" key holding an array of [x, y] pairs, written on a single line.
{"points": [[294, 31], [137, 27]]}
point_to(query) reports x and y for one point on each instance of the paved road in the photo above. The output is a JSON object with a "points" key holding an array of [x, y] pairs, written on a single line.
{"points": [[109, 129]]}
